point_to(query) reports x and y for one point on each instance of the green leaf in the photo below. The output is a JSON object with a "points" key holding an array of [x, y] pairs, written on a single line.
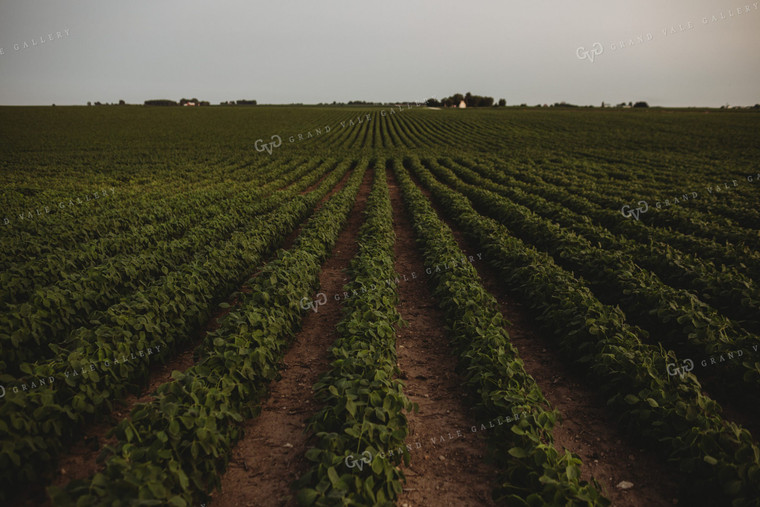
{"points": [[335, 480], [518, 452]]}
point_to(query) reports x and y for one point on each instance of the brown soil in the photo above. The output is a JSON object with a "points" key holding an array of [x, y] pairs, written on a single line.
{"points": [[446, 459], [271, 454], [587, 428]]}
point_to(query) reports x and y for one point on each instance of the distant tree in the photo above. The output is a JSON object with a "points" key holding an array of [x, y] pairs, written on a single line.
{"points": [[432, 103], [205, 103], [469, 99], [244, 102], [159, 102], [98, 103], [630, 104], [502, 102], [122, 103], [89, 103], [640, 104], [476, 100]]}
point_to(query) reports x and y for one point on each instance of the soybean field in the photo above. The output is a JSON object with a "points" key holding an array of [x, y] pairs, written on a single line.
{"points": [[399, 305]]}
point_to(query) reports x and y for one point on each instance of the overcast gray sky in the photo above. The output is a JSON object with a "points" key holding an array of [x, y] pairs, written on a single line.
{"points": [[299, 51]]}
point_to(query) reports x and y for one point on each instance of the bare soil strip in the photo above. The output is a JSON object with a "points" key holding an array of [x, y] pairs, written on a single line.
{"points": [[271, 454], [588, 428], [80, 461], [447, 464]]}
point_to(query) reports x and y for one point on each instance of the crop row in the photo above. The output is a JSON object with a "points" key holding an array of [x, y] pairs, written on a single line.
{"points": [[35, 425], [534, 473], [174, 448], [701, 213], [719, 458], [729, 291], [740, 257], [26, 330], [363, 405], [616, 278], [167, 223], [117, 213]]}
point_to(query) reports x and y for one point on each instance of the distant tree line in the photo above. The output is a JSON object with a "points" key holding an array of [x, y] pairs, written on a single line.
{"points": [[121, 103], [241, 102], [161, 102], [183, 101]]}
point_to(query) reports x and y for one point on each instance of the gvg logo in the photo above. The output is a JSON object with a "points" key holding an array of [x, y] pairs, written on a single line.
{"points": [[314, 305], [629, 212], [260, 145], [595, 51], [682, 370], [365, 458]]}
